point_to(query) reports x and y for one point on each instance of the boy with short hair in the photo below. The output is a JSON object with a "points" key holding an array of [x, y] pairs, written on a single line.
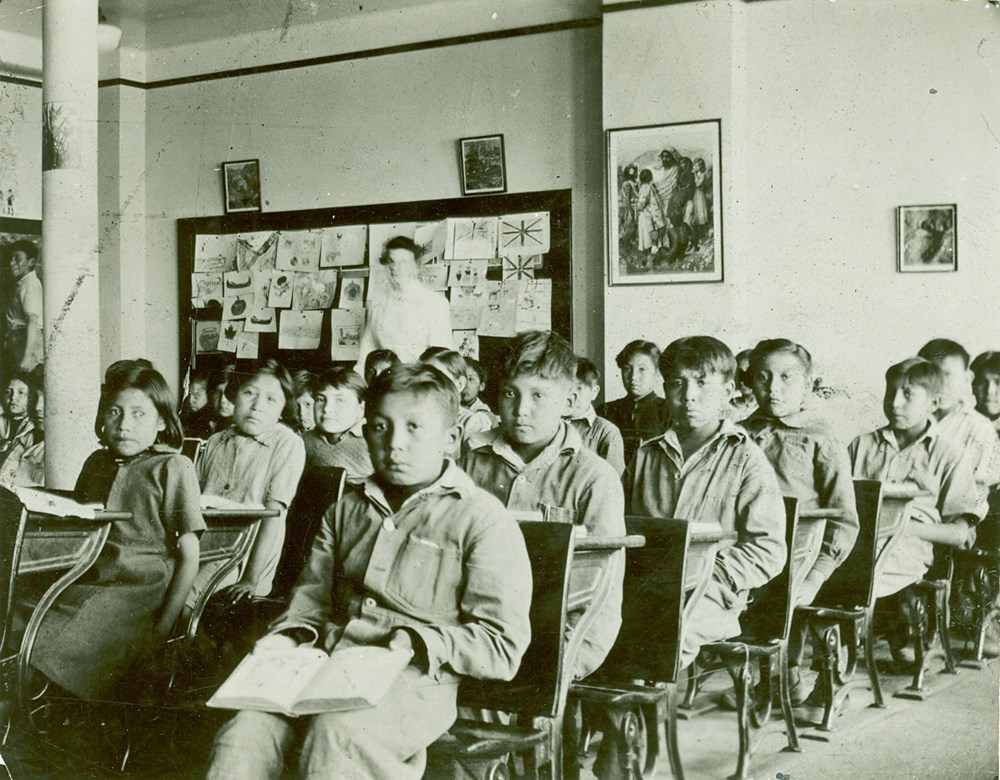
{"points": [[470, 421], [419, 559], [911, 449], [475, 382], [957, 420], [598, 434], [338, 436], [536, 460], [23, 344], [986, 386], [705, 469], [641, 415], [377, 361]]}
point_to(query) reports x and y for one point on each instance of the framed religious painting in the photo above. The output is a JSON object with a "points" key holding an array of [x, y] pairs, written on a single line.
{"points": [[484, 169], [241, 181], [927, 238], [664, 216]]}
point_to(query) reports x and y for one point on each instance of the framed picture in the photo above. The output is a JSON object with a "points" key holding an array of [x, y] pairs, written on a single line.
{"points": [[665, 203], [927, 237], [241, 180], [484, 169]]}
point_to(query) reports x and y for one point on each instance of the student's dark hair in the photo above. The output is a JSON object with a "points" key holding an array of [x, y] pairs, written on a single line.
{"points": [[23, 245], [269, 367], [543, 353], [377, 356], [29, 381], [586, 371], [986, 363], [939, 349], [449, 359], [698, 353], [400, 242], [638, 347], [919, 372], [342, 379], [200, 375], [479, 368], [743, 376], [769, 346], [303, 381], [121, 366], [421, 379], [150, 382]]}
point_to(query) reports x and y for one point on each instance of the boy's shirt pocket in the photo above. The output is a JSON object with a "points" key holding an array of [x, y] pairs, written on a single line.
{"points": [[422, 575]]}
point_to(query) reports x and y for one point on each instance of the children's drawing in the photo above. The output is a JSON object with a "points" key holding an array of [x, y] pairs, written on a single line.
{"points": [[466, 343], [299, 329], [534, 305], [256, 250], [314, 291], [206, 336], [280, 293], [343, 246], [206, 288], [434, 277], [247, 345], [518, 268], [346, 326], [525, 234], [228, 333], [500, 313], [215, 253], [431, 239], [467, 273], [261, 319], [471, 238], [236, 307], [261, 285], [238, 282], [298, 250], [467, 305], [352, 293]]}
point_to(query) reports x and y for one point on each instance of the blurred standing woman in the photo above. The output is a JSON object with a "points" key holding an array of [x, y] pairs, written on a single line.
{"points": [[407, 317]]}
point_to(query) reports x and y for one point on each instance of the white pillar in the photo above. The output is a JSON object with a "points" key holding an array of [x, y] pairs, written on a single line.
{"points": [[69, 235]]}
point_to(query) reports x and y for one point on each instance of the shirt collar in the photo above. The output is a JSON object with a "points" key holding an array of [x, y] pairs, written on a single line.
{"points": [[264, 440], [27, 278], [669, 442], [929, 436], [800, 419], [589, 416], [566, 441], [453, 481]]}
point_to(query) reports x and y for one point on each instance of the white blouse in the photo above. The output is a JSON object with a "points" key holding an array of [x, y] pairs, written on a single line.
{"points": [[407, 322]]}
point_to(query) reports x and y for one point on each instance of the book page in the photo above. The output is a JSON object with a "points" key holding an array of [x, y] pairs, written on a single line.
{"points": [[269, 681], [45, 503], [353, 678]]}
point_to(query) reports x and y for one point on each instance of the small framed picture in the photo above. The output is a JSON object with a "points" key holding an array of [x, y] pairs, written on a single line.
{"points": [[241, 181], [484, 169], [928, 238]]}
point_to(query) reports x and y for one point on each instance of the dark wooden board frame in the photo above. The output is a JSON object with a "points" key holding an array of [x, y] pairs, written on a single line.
{"points": [[557, 264]]}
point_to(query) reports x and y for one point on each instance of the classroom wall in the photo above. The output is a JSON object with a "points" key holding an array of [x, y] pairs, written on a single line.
{"points": [[21, 148], [833, 114], [380, 130]]}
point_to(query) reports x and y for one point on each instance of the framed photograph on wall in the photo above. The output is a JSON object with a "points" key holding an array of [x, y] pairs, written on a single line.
{"points": [[665, 203], [927, 238], [484, 169], [241, 181]]}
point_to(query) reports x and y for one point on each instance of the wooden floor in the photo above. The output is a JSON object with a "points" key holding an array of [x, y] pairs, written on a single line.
{"points": [[954, 733]]}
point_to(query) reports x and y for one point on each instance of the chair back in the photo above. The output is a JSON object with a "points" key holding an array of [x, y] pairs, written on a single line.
{"points": [[13, 518], [649, 641], [538, 689], [191, 448], [771, 617]]}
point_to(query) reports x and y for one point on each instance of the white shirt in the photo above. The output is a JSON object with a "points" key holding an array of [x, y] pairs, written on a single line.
{"points": [[407, 322]]}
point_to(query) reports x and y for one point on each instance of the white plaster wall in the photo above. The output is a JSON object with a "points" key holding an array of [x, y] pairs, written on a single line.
{"points": [[833, 114], [380, 130], [21, 147]]}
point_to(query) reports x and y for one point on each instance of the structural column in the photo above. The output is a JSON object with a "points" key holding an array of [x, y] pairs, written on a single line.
{"points": [[69, 235]]}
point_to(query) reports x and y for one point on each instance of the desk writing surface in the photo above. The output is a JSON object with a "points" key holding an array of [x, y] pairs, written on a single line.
{"points": [[53, 543]]}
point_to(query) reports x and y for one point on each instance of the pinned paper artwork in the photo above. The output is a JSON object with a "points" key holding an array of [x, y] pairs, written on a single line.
{"points": [[261, 285], [466, 343], [517, 268], [280, 294], [299, 329], [298, 250], [534, 305], [346, 326], [206, 288], [247, 345], [261, 319], [471, 238], [466, 273], [525, 234], [236, 307], [431, 239], [314, 291], [434, 277], [215, 253], [206, 336], [343, 246], [500, 313], [238, 282], [227, 335], [256, 250], [467, 307], [352, 293]]}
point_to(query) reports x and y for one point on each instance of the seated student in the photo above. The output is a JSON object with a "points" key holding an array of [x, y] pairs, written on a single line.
{"points": [[453, 365], [475, 383], [810, 464], [220, 402], [196, 412], [986, 386], [420, 558], [256, 460], [705, 469], [910, 449], [16, 424], [303, 383], [377, 361], [957, 420], [641, 415], [536, 460], [24, 464], [598, 434], [743, 403], [337, 438]]}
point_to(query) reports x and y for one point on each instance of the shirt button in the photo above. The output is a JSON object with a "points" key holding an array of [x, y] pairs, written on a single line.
{"points": [[370, 602], [388, 525]]}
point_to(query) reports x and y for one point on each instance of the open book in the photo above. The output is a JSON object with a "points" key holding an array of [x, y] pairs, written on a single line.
{"points": [[306, 681], [50, 503]]}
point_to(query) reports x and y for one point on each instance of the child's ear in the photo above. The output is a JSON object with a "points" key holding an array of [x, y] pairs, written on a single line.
{"points": [[453, 439], [161, 425]]}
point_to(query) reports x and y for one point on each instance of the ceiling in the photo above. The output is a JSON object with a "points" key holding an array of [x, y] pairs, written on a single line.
{"points": [[206, 19]]}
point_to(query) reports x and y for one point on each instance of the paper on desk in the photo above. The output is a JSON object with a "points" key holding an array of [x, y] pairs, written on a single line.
{"points": [[45, 503]]}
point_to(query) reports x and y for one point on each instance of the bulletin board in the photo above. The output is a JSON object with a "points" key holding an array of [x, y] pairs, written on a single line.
{"points": [[503, 261]]}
